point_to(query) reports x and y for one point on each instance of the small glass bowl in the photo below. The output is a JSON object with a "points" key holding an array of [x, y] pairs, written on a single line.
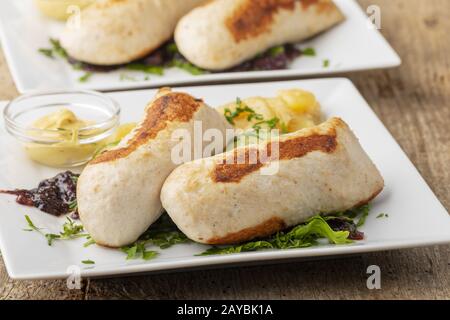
{"points": [[58, 147]]}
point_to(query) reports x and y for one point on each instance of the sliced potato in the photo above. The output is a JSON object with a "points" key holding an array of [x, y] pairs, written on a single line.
{"points": [[295, 109], [282, 111], [298, 100]]}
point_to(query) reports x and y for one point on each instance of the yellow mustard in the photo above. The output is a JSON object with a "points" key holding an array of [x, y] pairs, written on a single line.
{"points": [[64, 127]]}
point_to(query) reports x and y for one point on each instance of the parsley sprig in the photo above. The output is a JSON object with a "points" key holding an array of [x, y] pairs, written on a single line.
{"points": [[56, 50], [271, 124], [240, 109], [70, 231]]}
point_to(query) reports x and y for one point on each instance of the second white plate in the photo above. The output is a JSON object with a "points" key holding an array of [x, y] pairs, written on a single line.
{"points": [[351, 46]]}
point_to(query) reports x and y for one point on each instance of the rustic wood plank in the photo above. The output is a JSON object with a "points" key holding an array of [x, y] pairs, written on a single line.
{"points": [[413, 103]]}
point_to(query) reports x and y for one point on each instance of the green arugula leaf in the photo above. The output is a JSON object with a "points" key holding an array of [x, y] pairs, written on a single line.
{"points": [[131, 251], [250, 246], [163, 234], [304, 235], [354, 213], [149, 255], [318, 227], [138, 250]]}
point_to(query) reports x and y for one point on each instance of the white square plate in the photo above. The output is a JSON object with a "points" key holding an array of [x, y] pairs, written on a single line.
{"points": [[351, 46], [416, 218]]}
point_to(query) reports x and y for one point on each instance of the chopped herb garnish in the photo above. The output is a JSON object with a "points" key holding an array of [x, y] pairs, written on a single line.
{"points": [[71, 230], [311, 52], [364, 212], [275, 51], [89, 242], [126, 77], [326, 63], [31, 225], [149, 255], [186, 66], [284, 128], [85, 77], [382, 215], [73, 205], [271, 124], [88, 262], [172, 48], [77, 66], [58, 49], [163, 233], [137, 250], [47, 52], [240, 109], [146, 68]]}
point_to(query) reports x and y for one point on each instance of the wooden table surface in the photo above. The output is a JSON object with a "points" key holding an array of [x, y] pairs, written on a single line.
{"points": [[413, 101]]}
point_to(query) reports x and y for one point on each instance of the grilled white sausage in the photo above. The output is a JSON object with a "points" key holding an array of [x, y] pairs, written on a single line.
{"points": [[119, 191], [113, 32], [224, 33], [321, 170]]}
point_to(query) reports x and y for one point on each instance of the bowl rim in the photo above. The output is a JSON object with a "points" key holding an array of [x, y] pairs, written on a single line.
{"points": [[15, 128]]}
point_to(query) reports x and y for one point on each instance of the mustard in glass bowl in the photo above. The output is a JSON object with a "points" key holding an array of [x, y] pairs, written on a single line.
{"points": [[62, 128]]}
